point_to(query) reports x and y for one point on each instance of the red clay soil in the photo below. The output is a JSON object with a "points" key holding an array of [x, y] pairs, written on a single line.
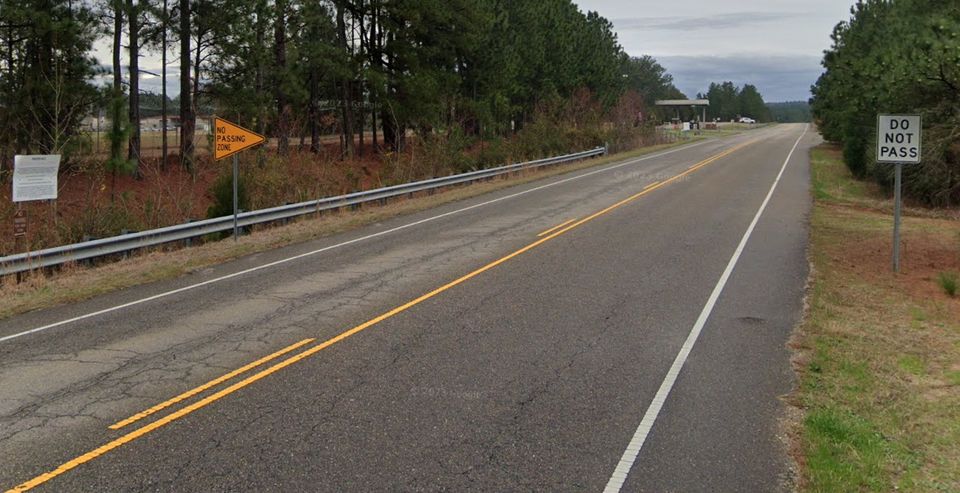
{"points": [[924, 256]]}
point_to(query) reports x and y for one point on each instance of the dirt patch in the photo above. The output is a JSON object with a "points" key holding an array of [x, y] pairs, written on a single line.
{"points": [[927, 249], [860, 255]]}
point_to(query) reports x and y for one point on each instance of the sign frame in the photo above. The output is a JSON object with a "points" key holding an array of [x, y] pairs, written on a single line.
{"points": [[882, 133], [35, 177], [236, 135]]}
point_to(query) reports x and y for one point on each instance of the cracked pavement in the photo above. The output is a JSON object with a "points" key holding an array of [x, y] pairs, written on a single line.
{"points": [[531, 376]]}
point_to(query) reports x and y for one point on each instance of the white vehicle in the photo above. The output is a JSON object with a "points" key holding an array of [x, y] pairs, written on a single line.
{"points": [[747, 120]]}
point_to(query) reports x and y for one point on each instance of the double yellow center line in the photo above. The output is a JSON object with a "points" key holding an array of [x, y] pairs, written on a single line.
{"points": [[139, 432], [212, 383], [551, 230]]}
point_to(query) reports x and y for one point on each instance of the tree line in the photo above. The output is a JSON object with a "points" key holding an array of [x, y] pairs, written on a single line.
{"points": [[896, 56], [294, 69], [790, 112], [729, 102]]}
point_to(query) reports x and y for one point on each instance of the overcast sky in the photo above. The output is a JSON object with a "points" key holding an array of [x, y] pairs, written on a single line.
{"points": [[776, 45]]}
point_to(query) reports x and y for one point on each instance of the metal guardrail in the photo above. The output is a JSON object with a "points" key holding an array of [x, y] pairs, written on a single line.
{"points": [[50, 257]]}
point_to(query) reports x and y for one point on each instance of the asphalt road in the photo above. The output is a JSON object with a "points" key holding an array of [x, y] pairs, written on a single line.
{"points": [[463, 351]]}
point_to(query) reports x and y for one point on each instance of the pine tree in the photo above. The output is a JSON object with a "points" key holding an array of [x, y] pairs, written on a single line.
{"points": [[187, 115], [46, 84]]}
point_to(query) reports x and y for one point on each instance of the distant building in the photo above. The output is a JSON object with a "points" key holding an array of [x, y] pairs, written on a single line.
{"points": [[147, 124], [153, 123], [93, 123]]}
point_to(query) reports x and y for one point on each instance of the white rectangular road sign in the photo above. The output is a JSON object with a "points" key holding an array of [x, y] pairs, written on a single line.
{"points": [[898, 138], [35, 177]]}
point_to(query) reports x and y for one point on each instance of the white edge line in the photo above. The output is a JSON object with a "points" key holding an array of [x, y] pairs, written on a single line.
{"points": [[339, 245], [619, 476]]}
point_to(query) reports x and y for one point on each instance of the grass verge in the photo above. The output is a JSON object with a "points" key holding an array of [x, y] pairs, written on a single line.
{"points": [[878, 354], [77, 283]]}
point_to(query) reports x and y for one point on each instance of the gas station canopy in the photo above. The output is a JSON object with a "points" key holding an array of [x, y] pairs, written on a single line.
{"points": [[683, 102]]}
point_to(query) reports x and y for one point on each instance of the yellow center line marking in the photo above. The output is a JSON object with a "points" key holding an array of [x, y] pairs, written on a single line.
{"points": [[139, 432], [212, 383], [551, 230], [651, 185]]}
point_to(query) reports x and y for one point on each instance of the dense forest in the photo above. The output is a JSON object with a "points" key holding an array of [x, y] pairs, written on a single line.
{"points": [[790, 112], [729, 102], [896, 56], [297, 69]]}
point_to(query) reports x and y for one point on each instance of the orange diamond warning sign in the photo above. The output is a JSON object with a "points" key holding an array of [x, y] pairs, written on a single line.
{"points": [[229, 139]]}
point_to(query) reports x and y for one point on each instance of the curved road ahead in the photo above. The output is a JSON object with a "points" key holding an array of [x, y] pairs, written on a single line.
{"points": [[618, 328]]}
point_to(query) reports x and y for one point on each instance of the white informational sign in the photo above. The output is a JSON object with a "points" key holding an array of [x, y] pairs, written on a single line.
{"points": [[898, 138], [35, 177]]}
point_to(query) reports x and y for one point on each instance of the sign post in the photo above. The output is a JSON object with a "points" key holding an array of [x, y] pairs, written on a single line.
{"points": [[236, 199], [898, 142], [229, 139], [19, 234], [897, 205]]}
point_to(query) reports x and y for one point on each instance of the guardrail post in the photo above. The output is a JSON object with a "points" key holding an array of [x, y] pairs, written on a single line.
{"points": [[124, 231], [189, 241], [243, 230], [88, 262]]}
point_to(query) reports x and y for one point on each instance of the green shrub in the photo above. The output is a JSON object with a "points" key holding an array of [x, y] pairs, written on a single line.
{"points": [[268, 185], [948, 281], [222, 194], [855, 155], [442, 154], [542, 138], [493, 153]]}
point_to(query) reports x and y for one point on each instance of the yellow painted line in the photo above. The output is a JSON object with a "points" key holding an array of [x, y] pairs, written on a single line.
{"points": [[651, 185], [551, 230], [212, 383], [139, 432]]}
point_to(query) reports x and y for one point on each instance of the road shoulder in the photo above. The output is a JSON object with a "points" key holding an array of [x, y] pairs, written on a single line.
{"points": [[878, 355]]}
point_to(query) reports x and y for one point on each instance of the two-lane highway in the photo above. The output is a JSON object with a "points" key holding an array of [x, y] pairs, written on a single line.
{"points": [[622, 326]]}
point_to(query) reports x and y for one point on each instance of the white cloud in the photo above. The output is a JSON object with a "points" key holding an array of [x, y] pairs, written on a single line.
{"points": [[773, 44]]}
